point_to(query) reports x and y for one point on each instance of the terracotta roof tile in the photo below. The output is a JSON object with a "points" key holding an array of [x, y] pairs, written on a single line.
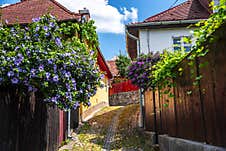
{"points": [[113, 67], [189, 10], [24, 11]]}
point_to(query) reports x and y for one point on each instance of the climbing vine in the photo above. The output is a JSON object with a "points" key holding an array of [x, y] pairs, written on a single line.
{"points": [[205, 35], [163, 70], [54, 59], [89, 35]]}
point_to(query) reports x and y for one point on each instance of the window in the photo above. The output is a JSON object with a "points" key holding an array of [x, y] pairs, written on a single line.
{"points": [[182, 42], [176, 43]]}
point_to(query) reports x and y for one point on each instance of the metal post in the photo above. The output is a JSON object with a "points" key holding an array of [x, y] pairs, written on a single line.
{"points": [[155, 118], [69, 124]]}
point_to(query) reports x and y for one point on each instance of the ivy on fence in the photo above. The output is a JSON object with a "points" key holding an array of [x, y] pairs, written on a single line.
{"points": [[144, 74], [204, 36]]}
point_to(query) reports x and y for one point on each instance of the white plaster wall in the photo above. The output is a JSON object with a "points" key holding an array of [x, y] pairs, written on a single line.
{"points": [[160, 39]]}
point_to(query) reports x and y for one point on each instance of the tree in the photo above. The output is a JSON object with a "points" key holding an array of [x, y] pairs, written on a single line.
{"points": [[122, 63]]}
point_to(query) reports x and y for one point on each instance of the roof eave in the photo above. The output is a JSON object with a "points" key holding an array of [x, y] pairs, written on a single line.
{"points": [[105, 63], [177, 22]]}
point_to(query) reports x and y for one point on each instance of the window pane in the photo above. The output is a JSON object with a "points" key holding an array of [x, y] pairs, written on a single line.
{"points": [[176, 48], [177, 41], [187, 48]]}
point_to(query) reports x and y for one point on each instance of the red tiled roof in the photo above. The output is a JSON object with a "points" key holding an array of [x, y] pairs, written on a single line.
{"points": [[24, 11], [113, 67], [189, 10]]}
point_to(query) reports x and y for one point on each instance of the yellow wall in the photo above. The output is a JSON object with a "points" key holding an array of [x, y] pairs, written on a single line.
{"points": [[101, 97]]}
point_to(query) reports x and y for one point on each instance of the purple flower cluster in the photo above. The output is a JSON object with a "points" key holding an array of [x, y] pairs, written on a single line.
{"points": [[41, 61], [140, 71]]}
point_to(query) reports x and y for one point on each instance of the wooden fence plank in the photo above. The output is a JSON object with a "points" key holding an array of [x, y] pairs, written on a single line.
{"points": [[158, 112], [168, 114], [209, 99], [149, 111], [188, 104], [197, 112], [28, 124], [220, 89]]}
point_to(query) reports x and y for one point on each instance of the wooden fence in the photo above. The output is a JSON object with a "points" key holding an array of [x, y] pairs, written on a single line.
{"points": [[195, 112], [29, 124], [124, 86]]}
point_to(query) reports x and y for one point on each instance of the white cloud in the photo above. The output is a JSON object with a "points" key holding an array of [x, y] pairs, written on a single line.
{"points": [[130, 14], [4, 5], [107, 18]]}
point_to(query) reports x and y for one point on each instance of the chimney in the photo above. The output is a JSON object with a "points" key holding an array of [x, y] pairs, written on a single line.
{"points": [[85, 15]]}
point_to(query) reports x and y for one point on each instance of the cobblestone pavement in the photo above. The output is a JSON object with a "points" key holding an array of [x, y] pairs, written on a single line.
{"points": [[111, 131]]}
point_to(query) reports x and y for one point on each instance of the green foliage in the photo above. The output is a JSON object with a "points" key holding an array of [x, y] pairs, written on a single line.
{"points": [[165, 69], [65, 143], [205, 32], [205, 36], [89, 35], [122, 63], [48, 57]]}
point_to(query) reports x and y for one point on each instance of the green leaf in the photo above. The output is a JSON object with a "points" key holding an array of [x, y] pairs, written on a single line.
{"points": [[189, 92]]}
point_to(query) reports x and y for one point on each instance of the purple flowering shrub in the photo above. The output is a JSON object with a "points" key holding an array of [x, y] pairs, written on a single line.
{"points": [[40, 58], [139, 72]]}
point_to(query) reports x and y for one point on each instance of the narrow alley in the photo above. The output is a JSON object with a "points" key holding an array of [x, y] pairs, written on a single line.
{"points": [[112, 128]]}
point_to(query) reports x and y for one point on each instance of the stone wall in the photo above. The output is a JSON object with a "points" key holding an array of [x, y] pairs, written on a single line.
{"points": [[124, 98]]}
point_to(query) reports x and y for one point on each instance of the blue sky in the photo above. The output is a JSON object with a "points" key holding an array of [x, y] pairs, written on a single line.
{"points": [[111, 16]]}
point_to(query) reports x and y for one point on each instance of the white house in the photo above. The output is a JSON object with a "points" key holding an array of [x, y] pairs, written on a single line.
{"points": [[166, 29]]}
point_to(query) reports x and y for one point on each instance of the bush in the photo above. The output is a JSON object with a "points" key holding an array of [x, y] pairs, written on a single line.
{"points": [[140, 71], [42, 57], [122, 63]]}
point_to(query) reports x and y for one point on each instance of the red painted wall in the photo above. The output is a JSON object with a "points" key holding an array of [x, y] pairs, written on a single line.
{"points": [[125, 86]]}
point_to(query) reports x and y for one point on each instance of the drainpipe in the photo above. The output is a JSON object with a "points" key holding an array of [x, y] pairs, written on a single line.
{"points": [[141, 122], [69, 124]]}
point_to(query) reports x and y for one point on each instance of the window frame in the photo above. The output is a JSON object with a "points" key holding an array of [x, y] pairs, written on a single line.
{"points": [[182, 44]]}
